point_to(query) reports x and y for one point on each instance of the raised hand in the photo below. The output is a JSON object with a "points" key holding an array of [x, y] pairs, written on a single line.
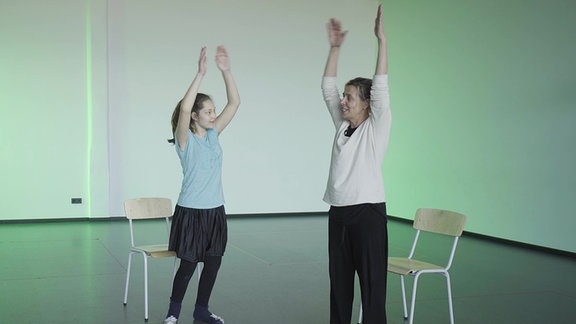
{"points": [[335, 34], [378, 25], [202, 61], [382, 61], [223, 63], [222, 59]]}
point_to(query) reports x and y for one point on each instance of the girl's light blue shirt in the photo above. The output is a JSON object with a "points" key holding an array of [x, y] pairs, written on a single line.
{"points": [[201, 162]]}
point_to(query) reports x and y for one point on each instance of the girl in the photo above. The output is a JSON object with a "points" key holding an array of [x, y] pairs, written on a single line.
{"points": [[199, 230]]}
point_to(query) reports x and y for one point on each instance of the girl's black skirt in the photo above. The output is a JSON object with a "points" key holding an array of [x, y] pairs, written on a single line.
{"points": [[197, 233]]}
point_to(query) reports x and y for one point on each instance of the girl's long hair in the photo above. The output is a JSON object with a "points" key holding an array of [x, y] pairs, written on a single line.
{"points": [[200, 98]]}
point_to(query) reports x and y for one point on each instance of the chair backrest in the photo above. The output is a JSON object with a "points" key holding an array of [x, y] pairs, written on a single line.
{"points": [[148, 208], [439, 221]]}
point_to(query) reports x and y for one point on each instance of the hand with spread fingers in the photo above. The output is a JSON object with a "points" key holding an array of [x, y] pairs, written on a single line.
{"points": [[335, 34], [222, 59]]}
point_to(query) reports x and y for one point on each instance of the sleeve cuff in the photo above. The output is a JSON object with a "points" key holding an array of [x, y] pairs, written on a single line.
{"points": [[380, 78]]}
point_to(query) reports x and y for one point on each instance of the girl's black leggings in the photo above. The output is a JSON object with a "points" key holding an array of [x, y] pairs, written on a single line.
{"points": [[207, 279]]}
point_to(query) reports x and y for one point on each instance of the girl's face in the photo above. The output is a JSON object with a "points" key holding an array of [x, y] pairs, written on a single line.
{"points": [[206, 116], [353, 108]]}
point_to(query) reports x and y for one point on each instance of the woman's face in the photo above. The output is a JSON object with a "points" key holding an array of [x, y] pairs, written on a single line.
{"points": [[353, 108], [206, 116]]}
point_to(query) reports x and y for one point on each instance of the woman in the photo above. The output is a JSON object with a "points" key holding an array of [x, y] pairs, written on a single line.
{"points": [[357, 229], [199, 230]]}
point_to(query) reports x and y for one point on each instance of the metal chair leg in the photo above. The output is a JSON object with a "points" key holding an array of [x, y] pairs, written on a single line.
{"points": [[127, 278], [450, 306], [403, 297], [145, 288], [413, 303]]}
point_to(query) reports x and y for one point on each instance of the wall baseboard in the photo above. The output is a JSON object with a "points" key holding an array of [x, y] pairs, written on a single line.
{"points": [[528, 246], [484, 237]]}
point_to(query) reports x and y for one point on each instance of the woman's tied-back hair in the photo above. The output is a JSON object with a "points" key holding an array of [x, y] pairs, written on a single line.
{"points": [[200, 98], [363, 85]]}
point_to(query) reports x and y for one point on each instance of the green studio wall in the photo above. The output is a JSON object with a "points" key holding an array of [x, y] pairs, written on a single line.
{"points": [[484, 104]]}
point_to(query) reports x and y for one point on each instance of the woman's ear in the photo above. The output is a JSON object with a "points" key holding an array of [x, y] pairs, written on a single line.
{"points": [[366, 104], [194, 115]]}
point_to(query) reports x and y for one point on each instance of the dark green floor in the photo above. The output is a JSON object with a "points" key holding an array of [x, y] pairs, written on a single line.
{"points": [[274, 271]]}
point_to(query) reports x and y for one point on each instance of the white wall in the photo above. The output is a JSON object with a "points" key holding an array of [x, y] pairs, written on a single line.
{"points": [[43, 115], [88, 89], [276, 151]]}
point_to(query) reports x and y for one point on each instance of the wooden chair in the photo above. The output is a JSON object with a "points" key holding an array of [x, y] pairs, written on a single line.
{"points": [[141, 209], [435, 221]]}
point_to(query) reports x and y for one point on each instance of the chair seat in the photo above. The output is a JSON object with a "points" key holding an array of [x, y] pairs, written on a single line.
{"points": [[404, 266], [155, 251]]}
